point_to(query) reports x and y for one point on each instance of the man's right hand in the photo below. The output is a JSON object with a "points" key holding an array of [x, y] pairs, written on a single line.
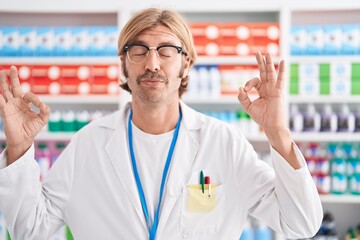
{"points": [[21, 124]]}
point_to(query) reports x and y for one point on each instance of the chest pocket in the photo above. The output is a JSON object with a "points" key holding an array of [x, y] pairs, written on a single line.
{"points": [[202, 213]]}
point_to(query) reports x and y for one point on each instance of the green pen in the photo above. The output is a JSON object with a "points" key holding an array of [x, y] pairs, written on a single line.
{"points": [[202, 181]]}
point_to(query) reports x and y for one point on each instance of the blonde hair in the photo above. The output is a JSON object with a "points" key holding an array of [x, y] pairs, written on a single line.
{"points": [[153, 17]]}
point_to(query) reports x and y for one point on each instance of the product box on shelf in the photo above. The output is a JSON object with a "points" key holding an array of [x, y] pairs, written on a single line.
{"points": [[351, 39], [75, 79], [309, 79], [355, 78], [63, 41], [45, 41], [111, 34], [80, 43], [10, 41], [333, 39], [265, 38], [45, 79], [340, 79], [315, 40], [298, 40], [105, 79], [234, 39], [206, 38], [97, 40], [28, 41], [24, 72]]}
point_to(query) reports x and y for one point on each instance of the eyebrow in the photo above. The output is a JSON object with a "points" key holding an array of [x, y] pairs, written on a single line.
{"points": [[160, 44]]}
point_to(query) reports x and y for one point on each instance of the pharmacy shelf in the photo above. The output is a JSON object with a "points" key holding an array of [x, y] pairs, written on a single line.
{"points": [[64, 136], [230, 60], [346, 198], [326, 137], [324, 5], [48, 136], [325, 58], [208, 100], [323, 99], [78, 99], [97, 60]]}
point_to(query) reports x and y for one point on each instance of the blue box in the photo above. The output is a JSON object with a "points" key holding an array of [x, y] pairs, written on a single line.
{"points": [[11, 41], [333, 39], [80, 36], [298, 40], [97, 39], [28, 41], [112, 34], [63, 41], [46, 41], [351, 39], [315, 40]]}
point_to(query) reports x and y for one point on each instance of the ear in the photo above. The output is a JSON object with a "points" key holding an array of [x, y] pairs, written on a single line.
{"points": [[122, 78], [186, 67]]}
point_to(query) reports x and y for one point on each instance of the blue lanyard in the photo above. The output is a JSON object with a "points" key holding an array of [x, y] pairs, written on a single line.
{"points": [[153, 229]]}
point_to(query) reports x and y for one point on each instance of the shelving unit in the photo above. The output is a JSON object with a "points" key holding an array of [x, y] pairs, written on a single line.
{"points": [[115, 12]]}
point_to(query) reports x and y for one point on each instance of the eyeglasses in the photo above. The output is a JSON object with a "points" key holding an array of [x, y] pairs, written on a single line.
{"points": [[138, 53]]}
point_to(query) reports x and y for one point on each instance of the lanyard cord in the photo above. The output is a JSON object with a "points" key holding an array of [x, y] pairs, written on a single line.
{"points": [[153, 228]]}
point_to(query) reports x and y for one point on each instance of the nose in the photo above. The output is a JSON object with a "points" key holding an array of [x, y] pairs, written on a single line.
{"points": [[152, 61]]}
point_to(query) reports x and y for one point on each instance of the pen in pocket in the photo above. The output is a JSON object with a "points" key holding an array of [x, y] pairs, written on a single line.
{"points": [[207, 181], [202, 181]]}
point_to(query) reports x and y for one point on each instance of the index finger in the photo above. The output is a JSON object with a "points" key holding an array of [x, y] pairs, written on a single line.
{"points": [[6, 93], [15, 82], [261, 65]]}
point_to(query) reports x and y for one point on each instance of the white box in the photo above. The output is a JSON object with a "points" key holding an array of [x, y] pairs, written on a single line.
{"points": [[340, 86], [308, 71], [340, 69], [310, 87]]}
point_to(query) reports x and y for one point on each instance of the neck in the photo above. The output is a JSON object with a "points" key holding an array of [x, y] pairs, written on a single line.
{"points": [[155, 120]]}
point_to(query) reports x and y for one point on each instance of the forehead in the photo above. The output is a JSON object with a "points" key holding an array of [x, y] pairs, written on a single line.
{"points": [[157, 35]]}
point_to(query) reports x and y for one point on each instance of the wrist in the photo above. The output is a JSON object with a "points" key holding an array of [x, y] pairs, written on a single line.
{"points": [[14, 152], [279, 138]]}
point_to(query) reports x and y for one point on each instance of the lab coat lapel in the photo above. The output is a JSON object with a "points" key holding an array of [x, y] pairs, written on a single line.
{"points": [[118, 152], [184, 156]]}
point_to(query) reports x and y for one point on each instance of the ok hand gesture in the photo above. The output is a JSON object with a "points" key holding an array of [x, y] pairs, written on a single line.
{"points": [[21, 123], [268, 110]]}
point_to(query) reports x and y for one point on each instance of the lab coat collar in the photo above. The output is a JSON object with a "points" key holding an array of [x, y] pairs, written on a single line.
{"points": [[185, 153], [191, 119]]}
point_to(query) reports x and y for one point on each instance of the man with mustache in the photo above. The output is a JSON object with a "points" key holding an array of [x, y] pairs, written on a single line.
{"points": [[157, 169]]}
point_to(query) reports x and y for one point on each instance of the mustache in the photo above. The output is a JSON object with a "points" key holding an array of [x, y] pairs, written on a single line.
{"points": [[150, 75]]}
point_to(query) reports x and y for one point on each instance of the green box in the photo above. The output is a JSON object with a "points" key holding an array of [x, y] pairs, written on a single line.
{"points": [[324, 86], [294, 79], [294, 71], [355, 86], [355, 70], [324, 70], [294, 88]]}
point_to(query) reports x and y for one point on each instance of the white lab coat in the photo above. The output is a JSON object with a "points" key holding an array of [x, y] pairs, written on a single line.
{"points": [[91, 187]]}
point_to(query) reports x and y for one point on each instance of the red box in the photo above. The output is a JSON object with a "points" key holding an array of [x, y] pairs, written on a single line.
{"points": [[105, 79], [75, 79], [44, 80]]}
